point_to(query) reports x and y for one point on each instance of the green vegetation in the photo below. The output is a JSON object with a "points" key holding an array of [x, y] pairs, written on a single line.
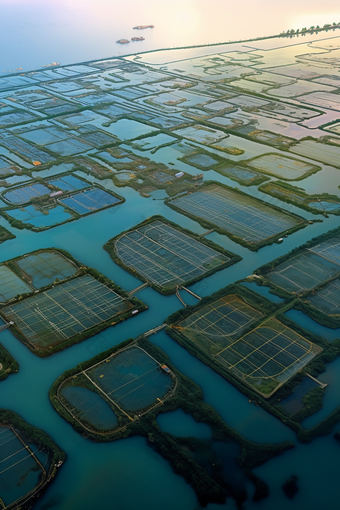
{"points": [[37, 436], [318, 204], [141, 174], [164, 289], [309, 291], [261, 136], [283, 167], [189, 397], [134, 304], [5, 234], [30, 434], [312, 401], [317, 315], [270, 266], [44, 204], [241, 173], [248, 354], [8, 364], [253, 240]]}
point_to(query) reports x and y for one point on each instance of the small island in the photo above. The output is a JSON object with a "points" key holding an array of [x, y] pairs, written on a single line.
{"points": [[290, 487], [5, 234], [8, 364]]}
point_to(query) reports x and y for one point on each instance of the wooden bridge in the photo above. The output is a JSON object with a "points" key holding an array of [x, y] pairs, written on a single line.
{"points": [[155, 330], [207, 232], [191, 292], [180, 297], [138, 289], [323, 385], [187, 290], [5, 326]]}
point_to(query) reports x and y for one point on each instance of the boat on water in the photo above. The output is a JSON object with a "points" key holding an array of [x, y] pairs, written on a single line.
{"points": [[137, 38], [142, 27], [49, 65], [122, 41]]}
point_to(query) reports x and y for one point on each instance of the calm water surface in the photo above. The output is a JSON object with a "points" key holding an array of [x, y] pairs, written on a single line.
{"points": [[82, 30], [128, 474], [109, 471]]}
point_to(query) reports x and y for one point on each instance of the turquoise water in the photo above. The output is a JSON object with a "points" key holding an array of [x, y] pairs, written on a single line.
{"points": [[25, 194], [54, 170], [128, 129], [109, 157], [35, 217], [68, 183], [44, 268], [316, 328], [10, 284], [180, 424], [263, 291], [89, 200], [16, 179], [96, 471], [128, 473], [294, 403]]}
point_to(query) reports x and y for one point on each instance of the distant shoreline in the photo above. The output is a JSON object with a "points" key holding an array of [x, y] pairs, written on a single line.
{"points": [[208, 45]]}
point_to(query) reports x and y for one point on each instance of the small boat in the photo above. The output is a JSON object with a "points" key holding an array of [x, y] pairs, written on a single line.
{"points": [[143, 27], [122, 41], [137, 38]]}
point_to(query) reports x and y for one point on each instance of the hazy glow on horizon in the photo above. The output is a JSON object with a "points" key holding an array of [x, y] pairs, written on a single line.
{"points": [[39, 31]]}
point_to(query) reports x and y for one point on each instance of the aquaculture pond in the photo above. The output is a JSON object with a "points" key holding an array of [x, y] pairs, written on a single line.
{"points": [[41, 219], [22, 477], [112, 462], [46, 267], [129, 473], [89, 407]]}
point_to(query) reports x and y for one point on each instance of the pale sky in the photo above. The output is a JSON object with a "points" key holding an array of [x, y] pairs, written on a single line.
{"points": [[36, 32]]}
